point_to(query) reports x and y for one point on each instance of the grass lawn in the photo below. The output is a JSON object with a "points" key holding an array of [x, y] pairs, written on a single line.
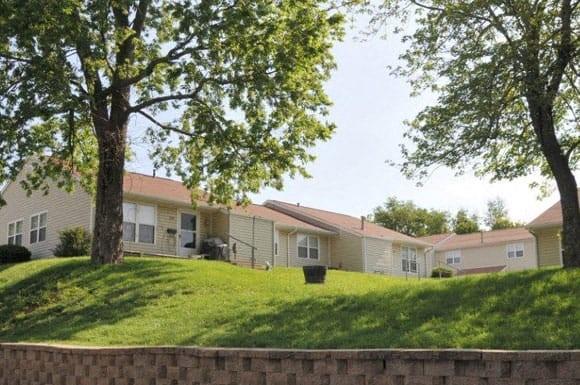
{"points": [[150, 301]]}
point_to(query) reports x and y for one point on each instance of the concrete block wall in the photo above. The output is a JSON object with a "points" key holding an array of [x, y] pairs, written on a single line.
{"points": [[25, 364]]}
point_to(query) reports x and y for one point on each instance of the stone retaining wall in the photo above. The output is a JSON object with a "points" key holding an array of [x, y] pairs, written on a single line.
{"points": [[26, 364]]}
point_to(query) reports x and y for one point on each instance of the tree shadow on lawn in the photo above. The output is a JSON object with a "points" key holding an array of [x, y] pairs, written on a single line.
{"points": [[59, 301], [535, 309]]}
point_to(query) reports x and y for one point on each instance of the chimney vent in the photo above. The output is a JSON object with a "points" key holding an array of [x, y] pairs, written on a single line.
{"points": [[362, 222]]}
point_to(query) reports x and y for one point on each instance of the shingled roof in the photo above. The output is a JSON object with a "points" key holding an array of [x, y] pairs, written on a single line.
{"points": [[174, 191], [343, 222], [479, 239]]}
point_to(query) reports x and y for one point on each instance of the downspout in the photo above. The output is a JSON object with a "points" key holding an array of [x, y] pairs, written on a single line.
{"points": [[288, 245], [329, 253], [537, 248], [364, 245]]}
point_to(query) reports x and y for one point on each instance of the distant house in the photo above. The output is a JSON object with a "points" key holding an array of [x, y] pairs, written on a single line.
{"points": [[484, 252], [547, 228], [159, 220]]}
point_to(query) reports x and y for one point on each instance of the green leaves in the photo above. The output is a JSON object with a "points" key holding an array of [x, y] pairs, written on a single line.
{"points": [[409, 219], [243, 81], [481, 58]]}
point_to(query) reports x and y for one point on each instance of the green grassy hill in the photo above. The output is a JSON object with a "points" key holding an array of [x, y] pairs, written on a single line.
{"points": [[148, 301]]}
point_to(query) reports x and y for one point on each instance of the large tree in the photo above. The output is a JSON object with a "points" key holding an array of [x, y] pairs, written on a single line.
{"points": [[241, 81], [506, 76], [406, 217]]}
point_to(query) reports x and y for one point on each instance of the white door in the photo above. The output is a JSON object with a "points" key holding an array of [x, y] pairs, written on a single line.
{"points": [[188, 234]]}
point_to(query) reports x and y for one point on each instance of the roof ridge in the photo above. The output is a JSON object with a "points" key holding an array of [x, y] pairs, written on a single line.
{"points": [[312, 208]]}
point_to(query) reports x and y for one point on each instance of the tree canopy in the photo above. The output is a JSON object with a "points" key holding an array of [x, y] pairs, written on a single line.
{"points": [[465, 223], [408, 218], [231, 92], [505, 74]]}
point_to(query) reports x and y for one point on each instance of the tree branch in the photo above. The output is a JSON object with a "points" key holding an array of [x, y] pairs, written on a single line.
{"points": [[565, 50], [164, 126]]}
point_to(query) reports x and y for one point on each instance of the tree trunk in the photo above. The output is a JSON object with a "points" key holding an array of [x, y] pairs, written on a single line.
{"points": [[108, 231], [112, 138], [542, 120]]}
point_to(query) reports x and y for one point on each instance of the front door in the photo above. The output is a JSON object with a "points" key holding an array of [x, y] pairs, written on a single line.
{"points": [[188, 234]]}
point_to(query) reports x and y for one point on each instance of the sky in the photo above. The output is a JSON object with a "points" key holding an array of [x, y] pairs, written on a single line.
{"points": [[350, 174]]}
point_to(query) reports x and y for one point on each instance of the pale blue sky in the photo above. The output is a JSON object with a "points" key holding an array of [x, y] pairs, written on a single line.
{"points": [[350, 174]]}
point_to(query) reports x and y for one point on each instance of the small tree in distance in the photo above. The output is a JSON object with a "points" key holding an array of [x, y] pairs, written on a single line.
{"points": [[497, 217], [464, 223]]}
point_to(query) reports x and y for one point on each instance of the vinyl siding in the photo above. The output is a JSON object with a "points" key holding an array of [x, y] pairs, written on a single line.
{"points": [[378, 255], [166, 218], [283, 252], [494, 255], [220, 225], [65, 210], [322, 250], [397, 265], [259, 233], [549, 246], [347, 252]]}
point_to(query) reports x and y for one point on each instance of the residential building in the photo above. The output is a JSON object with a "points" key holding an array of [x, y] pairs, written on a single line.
{"points": [[485, 251], [547, 228]]}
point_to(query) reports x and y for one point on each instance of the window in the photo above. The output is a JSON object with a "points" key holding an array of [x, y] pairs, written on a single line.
{"points": [[15, 232], [138, 223], [38, 228], [276, 241], [453, 257], [308, 246], [409, 259], [515, 250]]}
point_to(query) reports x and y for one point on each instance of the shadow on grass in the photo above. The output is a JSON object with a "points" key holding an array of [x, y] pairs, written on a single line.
{"points": [[59, 301], [535, 309]]}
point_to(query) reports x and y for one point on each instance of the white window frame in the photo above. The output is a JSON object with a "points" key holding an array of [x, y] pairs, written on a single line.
{"points": [[38, 228], [454, 256], [8, 236], [308, 246], [409, 259], [155, 227], [515, 248]]}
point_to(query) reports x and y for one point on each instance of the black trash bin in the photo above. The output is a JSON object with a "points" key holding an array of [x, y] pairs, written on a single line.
{"points": [[314, 274]]}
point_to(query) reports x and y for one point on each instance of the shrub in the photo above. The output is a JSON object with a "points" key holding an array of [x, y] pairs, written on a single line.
{"points": [[14, 253], [73, 243], [441, 272]]}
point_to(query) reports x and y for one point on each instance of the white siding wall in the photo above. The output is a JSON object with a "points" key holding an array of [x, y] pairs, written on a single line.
{"points": [[495, 255], [347, 252], [259, 232], [65, 210], [322, 250], [378, 255]]}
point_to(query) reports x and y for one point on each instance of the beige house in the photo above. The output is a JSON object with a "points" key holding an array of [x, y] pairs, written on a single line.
{"points": [[159, 220], [485, 251], [547, 228], [359, 245]]}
